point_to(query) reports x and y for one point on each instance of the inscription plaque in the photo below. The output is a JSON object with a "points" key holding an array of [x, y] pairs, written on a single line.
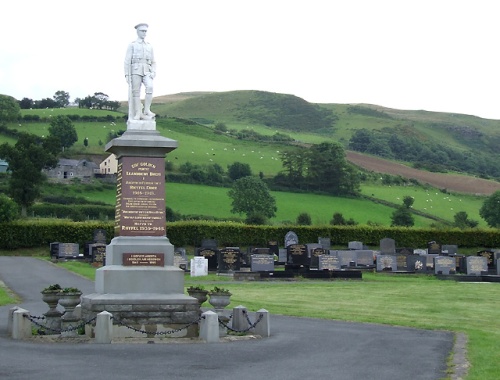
{"points": [[140, 197], [144, 259]]}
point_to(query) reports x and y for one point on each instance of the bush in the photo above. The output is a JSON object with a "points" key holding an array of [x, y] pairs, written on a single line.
{"points": [[9, 210], [304, 219], [256, 219]]}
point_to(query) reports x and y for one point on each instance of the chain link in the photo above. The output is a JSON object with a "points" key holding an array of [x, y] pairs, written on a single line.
{"points": [[33, 319], [251, 325], [159, 332]]}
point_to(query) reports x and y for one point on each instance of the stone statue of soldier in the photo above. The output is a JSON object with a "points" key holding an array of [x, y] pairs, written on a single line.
{"points": [[140, 70]]}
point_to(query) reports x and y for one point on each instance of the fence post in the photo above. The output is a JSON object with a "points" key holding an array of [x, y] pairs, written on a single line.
{"points": [[239, 320], [263, 328], [21, 325], [209, 327], [10, 320], [104, 328]]}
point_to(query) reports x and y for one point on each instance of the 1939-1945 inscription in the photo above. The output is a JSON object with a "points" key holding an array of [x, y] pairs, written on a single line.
{"points": [[144, 259]]}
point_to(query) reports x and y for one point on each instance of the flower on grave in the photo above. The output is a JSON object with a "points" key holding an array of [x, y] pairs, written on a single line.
{"points": [[418, 265]]}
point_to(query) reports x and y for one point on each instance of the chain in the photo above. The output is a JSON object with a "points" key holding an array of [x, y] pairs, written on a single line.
{"points": [[251, 325], [160, 332], [33, 319]]}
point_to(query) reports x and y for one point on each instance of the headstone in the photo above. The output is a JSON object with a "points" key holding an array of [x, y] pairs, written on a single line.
{"points": [[347, 258], [419, 251], [460, 263], [262, 263], [282, 255], [355, 245], [417, 263], [209, 243], [325, 242], [328, 262], [364, 257], [490, 257], [387, 246], [477, 265], [444, 265], [69, 251], [98, 254], [260, 251], [316, 253], [311, 247], [274, 248], [498, 267], [430, 261], [297, 254], [100, 236], [229, 259], [386, 263], [211, 255], [180, 259], [405, 251], [54, 250], [291, 238], [449, 249], [402, 257], [199, 266], [433, 248]]}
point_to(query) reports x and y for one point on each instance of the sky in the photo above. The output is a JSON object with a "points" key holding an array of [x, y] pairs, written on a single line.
{"points": [[434, 55]]}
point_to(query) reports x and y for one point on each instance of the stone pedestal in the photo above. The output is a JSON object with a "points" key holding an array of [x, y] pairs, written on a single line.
{"points": [[139, 285]]}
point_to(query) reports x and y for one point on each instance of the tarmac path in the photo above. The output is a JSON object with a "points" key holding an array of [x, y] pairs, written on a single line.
{"points": [[299, 348]]}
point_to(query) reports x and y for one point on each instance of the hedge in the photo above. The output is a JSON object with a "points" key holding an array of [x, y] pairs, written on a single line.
{"points": [[39, 233]]}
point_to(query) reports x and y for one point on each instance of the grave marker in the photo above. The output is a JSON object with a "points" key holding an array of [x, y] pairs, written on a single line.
{"points": [[328, 262], [386, 263], [262, 263], [387, 246], [291, 238], [444, 265], [477, 265]]}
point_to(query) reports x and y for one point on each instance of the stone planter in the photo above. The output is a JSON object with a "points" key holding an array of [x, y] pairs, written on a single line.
{"points": [[200, 295], [69, 321], [219, 301], [52, 316]]}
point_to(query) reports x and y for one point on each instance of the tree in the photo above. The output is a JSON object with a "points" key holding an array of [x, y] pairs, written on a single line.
{"points": [[26, 103], [402, 215], [304, 219], [9, 108], [490, 210], [61, 98], [26, 160], [8, 209], [238, 170], [86, 142], [62, 128], [250, 196], [461, 220]]}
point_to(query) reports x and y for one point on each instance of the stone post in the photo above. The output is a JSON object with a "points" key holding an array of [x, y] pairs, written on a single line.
{"points": [[239, 318], [263, 328], [209, 327], [21, 325], [104, 328]]}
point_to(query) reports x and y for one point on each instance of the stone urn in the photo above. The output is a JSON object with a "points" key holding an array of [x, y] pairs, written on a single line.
{"points": [[51, 298], [69, 300], [219, 299], [200, 294]]}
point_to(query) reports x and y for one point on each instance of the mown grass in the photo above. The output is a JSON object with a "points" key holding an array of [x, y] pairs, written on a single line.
{"points": [[417, 301]]}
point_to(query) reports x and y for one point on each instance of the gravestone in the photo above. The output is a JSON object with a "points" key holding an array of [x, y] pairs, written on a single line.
{"points": [[291, 238], [364, 257], [476, 265], [386, 263], [387, 246], [325, 242], [262, 263], [449, 249], [419, 251], [274, 248], [460, 263], [498, 267], [100, 236], [347, 258], [54, 250], [211, 255], [199, 266], [433, 248], [444, 265], [282, 255], [316, 253], [98, 254], [68, 251], [328, 262], [490, 257], [209, 243], [355, 245], [430, 260], [401, 259], [297, 255], [405, 251], [180, 259], [260, 251], [229, 259], [417, 263]]}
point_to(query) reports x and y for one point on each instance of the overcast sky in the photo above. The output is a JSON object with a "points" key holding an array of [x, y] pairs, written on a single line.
{"points": [[436, 55]]}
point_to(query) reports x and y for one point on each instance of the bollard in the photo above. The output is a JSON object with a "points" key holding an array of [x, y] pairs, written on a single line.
{"points": [[209, 327], [104, 328], [21, 326], [263, 328], [10, 320], [239, 318]]}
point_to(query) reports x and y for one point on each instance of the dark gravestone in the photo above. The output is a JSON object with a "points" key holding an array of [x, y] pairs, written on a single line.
{"points": [[69, 251], [210, 255], [449, 250], [282, 255], [355, 245], [490, 258], [262, 263], [477, 265], [260, 251], [404, 251], [98, 254], [498, 267], [347, 258], [291, 238], [460, 263], [229, 259], [316, 253], [444, 265], [416, 263], [433, 248], [328, 262], [401, 260], [297, 254], [325, 242], [54, 250], [364, 257], [311, 247], [386, 263], [387, 246], [100, 236], [274, 248], [209, 243]]}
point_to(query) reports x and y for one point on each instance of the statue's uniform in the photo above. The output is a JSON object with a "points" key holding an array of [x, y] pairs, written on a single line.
{"points": [[141, 66]]}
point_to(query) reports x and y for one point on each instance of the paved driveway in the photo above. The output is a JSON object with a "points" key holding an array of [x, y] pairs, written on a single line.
{"points": [[299, 348]]}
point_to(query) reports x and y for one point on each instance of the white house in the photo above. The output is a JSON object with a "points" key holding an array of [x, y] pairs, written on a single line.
{"points": [[109, 165]]}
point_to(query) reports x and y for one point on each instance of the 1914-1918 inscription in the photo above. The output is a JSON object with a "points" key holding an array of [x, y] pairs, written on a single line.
{"points": [[144, 259], [140, 197]]}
